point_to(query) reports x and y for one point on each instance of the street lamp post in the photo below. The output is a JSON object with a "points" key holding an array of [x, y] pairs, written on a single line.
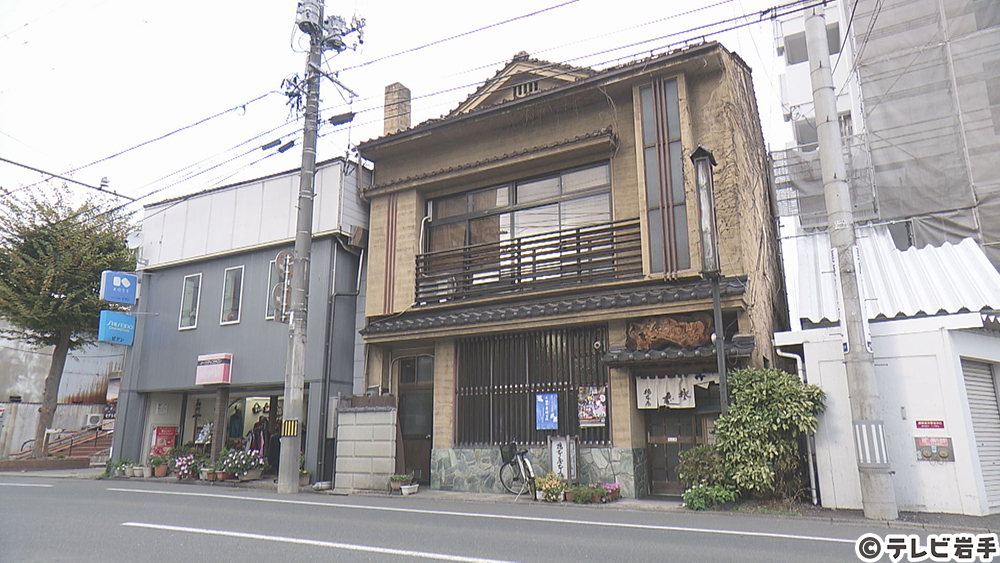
{"points": [[704, 162]]}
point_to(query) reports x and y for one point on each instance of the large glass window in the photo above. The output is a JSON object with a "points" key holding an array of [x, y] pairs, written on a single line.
{"points": [[232, 295], [665, 203], [190, 299], [573, 198]]}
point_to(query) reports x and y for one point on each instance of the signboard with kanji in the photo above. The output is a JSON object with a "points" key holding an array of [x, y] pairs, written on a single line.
{"points": [[546, 411]]}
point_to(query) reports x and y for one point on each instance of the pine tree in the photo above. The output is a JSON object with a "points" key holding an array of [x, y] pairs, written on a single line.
{"points": [[52, 254]]}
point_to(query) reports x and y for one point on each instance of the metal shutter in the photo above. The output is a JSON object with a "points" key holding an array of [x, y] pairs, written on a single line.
{"points": [[981, 390]]}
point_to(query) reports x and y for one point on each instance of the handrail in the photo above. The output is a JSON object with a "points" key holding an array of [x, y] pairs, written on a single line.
{"points": [[581, 255], [69, 441]]}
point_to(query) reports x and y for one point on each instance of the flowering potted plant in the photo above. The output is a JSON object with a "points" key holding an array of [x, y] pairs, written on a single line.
{"points": [[186, 466], [551, 486], [613, 491], [246, 466], [207, 471], [304, 475]]}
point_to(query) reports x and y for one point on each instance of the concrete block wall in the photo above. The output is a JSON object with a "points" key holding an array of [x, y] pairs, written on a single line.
{"points": [[366, 448]]}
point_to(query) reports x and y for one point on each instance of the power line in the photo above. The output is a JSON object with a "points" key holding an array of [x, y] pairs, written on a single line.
{"points": [[160, 138], [847, 34], [100, 189], [464, 34]]}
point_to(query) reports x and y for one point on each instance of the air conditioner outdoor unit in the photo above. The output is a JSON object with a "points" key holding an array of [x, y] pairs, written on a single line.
{"points": [[94, 419]]}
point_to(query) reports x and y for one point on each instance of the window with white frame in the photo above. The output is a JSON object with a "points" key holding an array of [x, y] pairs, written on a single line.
{"points": [[272, 280], [190, 299], [232, 295]]}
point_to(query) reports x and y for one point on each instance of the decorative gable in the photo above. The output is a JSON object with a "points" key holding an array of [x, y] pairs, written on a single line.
{"points": [[522, 77]]}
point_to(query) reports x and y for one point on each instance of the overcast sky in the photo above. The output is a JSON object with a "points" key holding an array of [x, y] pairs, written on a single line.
{"points": [[81, 80]]}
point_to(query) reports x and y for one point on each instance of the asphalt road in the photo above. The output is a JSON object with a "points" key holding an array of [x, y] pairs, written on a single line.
{"points": [[53, 520]]}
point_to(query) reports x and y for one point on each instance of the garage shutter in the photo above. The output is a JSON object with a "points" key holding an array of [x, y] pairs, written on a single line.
{"points": [[985, 409]]}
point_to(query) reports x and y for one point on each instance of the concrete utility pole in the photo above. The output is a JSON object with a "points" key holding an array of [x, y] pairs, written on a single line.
{"points": [[877, 494], [295, 363]]}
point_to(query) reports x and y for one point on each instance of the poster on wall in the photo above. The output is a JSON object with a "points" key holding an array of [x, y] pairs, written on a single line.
{"points": [[546, 411], [593, 406], [164, 438]]}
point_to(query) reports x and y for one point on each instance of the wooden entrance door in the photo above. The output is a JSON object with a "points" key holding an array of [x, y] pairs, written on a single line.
{"points": [[670, 432], [416, 415]]}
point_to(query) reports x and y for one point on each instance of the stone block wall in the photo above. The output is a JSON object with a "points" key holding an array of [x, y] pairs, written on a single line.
{"points": [[477, 469], [366, 448]]}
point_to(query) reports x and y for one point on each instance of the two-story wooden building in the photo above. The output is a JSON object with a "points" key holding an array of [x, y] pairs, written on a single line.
{"points": [[535, 260]]}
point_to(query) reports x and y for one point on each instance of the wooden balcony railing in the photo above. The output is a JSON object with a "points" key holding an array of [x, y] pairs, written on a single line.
{"points": [[574, 257]]}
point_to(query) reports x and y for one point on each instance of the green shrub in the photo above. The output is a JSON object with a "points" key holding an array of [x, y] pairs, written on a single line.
{"points": [[703, 497], [701, 464], [583, 494], [758, 438]]}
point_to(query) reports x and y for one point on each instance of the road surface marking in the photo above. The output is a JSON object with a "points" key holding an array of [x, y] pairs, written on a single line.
{"points": [[315, 543], [25, 485], [498, 516]]}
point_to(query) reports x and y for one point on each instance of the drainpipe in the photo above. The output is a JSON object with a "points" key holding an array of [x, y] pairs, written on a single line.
{"points": [[800, 368]]}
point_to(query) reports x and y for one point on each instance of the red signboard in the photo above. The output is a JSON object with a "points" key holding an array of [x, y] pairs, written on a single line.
{"points": [[213, 369], [164, 438], [930, 424]]}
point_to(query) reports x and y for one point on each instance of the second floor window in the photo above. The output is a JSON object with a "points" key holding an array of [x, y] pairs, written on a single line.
{"points": [[665, 204], [564, 200], [232, 295], [190, 299]]}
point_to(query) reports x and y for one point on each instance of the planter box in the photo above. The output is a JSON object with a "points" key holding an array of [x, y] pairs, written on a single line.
{"points": [[207, 474], [304, 479], [251, 475], [408, 490], [146, 472], [161, 470]]}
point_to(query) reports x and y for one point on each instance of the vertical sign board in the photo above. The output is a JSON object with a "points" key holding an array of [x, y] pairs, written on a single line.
{"points": [[546, 411], [119, 287], [117, 328], [559, 455], [865, 327], [592, 406], [214, 369]]}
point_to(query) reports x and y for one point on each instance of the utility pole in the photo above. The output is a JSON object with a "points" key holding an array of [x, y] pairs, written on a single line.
{"points": [[877, 494], [323, 34]]}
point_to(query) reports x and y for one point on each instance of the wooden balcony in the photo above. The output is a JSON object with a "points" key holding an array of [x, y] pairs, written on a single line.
{"points": [[563, 259]]}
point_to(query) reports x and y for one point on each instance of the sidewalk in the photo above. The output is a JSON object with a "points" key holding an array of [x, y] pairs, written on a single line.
{"points": [[907, 520]]}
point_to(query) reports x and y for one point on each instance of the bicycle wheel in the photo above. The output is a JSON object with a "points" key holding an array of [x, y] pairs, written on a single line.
{"points": [[510, 478]]}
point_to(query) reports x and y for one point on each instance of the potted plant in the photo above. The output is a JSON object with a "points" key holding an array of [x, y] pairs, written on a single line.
{"points": [[304, 475], [121, 466], [613, 491], [246, 466], [207, 471], [186, 466], [397, 481], [144, 471], [551, 486], [160, 465]]}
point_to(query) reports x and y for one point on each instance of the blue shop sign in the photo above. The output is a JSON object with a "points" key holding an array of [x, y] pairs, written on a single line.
{"points": [[117, 328], [546, 411], [119, 287]]}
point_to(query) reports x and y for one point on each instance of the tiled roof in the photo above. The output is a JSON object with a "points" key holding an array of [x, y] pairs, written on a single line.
{"points": [[496, 158], [739, 347], [642, 296], [597, 74]]}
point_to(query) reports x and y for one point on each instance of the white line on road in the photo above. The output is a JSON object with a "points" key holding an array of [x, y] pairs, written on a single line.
{"points": [[498, 516], [315, 543], [25, 485]]}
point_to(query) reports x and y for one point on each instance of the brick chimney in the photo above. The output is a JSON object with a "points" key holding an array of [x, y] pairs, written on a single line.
{"points": [[397, 108]]}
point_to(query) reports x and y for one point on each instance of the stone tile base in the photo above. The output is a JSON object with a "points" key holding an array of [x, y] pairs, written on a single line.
{"points": [[477, 470]]}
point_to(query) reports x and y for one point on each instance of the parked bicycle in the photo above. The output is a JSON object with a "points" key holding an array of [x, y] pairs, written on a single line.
{"points": [[516, 474]]}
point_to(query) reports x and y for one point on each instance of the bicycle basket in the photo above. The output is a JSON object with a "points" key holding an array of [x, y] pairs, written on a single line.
{"points": [[507, 452]]}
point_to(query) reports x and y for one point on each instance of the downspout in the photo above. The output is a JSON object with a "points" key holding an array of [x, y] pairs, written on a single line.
{"points": [[800, 368]]}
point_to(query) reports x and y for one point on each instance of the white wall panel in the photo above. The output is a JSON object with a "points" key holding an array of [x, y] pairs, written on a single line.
{"points": [[249, 206], [172, 236], [220, 227], [279, 208], [199, 214]]}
